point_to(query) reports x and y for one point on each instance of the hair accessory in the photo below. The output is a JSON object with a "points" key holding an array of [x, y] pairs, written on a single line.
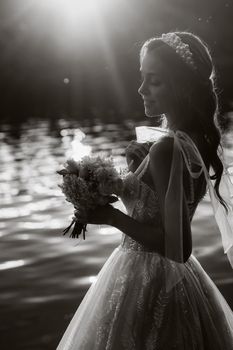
{"points": [[182, 49]]}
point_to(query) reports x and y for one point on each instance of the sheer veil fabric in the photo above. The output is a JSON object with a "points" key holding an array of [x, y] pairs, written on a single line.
{"points": [[224, 220]]}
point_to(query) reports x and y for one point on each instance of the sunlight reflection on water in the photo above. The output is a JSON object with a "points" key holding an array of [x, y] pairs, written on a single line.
{"points": [[78, 151], [12, 264], [83, 281]]}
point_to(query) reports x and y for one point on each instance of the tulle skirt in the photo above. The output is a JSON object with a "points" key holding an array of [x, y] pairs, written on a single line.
{"points": [[128, 308]]}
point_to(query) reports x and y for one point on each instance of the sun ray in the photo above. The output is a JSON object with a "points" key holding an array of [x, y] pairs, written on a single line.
{"points": [[105, 42]]}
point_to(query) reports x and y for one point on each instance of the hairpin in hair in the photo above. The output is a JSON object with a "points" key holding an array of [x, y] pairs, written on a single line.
{"points": [[182, 49]]}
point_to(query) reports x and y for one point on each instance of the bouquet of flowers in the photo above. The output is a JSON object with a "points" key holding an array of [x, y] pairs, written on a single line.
{"points": [[91, 182]]}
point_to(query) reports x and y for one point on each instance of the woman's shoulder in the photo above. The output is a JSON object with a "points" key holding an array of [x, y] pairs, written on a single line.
{"points": [[162, 147]]}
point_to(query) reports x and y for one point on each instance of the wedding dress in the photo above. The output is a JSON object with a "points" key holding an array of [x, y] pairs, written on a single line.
{"points": [[129, 306]]}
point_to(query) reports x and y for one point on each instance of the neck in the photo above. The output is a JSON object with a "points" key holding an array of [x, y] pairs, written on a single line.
{"points": [[179, 124]]}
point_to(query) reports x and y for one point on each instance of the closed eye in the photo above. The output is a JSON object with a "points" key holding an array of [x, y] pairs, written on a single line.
{"points": [[155, 82], [151, 81]]}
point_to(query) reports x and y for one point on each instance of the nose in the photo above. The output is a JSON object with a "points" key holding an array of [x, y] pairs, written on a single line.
{"points": [[143, 90]]}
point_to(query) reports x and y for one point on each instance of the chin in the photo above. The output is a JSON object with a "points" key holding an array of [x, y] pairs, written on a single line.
{"points": [[149, 113]]}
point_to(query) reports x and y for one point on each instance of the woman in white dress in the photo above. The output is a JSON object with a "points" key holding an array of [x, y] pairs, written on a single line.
{"points": [[152, 293]]}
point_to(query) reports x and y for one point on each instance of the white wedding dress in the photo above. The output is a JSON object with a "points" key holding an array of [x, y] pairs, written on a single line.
{"points": [[128, 306]]}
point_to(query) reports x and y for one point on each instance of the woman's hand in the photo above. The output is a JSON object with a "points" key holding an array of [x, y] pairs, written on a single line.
{"points": [[101, 215], [135, 153]]}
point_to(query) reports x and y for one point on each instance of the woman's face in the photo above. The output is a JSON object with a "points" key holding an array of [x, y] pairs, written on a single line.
{"points": [[154, 90]]}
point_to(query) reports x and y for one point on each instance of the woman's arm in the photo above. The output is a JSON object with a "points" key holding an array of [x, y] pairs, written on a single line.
{"points": [[148, 235]]}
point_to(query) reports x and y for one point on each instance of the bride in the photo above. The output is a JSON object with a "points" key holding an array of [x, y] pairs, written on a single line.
{"points": [[152, 293]]}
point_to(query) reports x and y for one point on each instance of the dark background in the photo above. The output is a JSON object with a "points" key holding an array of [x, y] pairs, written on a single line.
{"points": [[43, 42]]}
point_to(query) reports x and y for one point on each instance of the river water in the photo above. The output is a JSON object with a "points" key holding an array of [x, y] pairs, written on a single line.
{"points": [[44, 275]]}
